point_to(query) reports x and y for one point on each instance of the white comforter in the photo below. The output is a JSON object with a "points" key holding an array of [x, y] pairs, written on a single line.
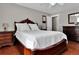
{"points": [[39, 39]]}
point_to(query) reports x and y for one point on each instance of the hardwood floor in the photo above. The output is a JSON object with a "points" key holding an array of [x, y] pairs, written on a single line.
{"points": [[73, 49], [9, 50]]}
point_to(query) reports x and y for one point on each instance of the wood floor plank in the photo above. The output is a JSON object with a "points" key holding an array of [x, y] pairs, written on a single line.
{"points": [[73, 48], [9, 50]]}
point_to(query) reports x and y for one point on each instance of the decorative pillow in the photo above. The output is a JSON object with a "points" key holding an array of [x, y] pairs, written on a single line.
{"points": [[22, 27], [33, 26]]}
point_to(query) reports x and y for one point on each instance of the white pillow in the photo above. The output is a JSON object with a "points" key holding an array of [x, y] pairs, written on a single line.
{"points": [[22, 27], [34, 27]]}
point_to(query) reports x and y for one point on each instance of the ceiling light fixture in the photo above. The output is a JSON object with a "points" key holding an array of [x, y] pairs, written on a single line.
{"points": [[52, 4], [56, 3]]}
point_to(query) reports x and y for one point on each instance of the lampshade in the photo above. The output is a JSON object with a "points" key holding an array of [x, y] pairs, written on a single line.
{"points": [[5, 26]]}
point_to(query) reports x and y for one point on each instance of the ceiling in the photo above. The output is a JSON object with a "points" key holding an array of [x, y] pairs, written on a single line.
{"points": [[48, 8]]}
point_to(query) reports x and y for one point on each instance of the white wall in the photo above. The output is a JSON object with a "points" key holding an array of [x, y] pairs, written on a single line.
{"points": [[10, 12], [13, 12], [63, 18]]}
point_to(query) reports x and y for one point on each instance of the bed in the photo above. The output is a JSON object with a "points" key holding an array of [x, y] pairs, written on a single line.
{"points": [[53, 49]]}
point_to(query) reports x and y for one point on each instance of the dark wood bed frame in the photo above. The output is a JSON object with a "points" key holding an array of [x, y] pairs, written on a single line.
{"points": [[55, 49]]}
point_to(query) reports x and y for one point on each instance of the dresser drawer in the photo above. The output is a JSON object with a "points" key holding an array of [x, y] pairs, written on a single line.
{"points": [[6, 38], [6, 34], [5, 41]]}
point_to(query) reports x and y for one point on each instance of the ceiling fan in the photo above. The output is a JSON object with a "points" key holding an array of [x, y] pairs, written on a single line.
{"points": [[53, 4], [56, 3], [50, 5]]}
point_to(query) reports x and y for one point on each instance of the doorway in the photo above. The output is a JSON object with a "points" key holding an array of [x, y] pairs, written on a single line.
{"points": [[54, 23]]}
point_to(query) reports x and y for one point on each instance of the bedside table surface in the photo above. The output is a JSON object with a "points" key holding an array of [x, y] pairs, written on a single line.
{"points": [[6, 31]]}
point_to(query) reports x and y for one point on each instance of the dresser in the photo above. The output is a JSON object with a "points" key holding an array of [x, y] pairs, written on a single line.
{"points": [[72, 32], [6, 38]]}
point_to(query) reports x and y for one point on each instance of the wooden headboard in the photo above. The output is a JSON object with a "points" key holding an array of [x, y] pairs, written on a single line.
{"points": [[23, 21]]}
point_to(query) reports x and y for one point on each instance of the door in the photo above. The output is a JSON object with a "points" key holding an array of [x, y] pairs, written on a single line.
{"points": [[54, 23]]}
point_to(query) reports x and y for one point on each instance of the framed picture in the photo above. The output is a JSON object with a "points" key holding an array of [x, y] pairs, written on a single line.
{"points": [[73, 18], [44, 22]]}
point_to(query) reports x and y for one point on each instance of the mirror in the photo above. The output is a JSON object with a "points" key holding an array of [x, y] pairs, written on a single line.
{"points": [[73, 18], [44, 22]]}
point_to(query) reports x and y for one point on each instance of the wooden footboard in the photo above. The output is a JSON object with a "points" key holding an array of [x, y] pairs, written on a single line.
{"points": [[55, 49]]}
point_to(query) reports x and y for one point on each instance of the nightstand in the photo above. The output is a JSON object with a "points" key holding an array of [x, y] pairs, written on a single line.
{"points": [[6, 38]]}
